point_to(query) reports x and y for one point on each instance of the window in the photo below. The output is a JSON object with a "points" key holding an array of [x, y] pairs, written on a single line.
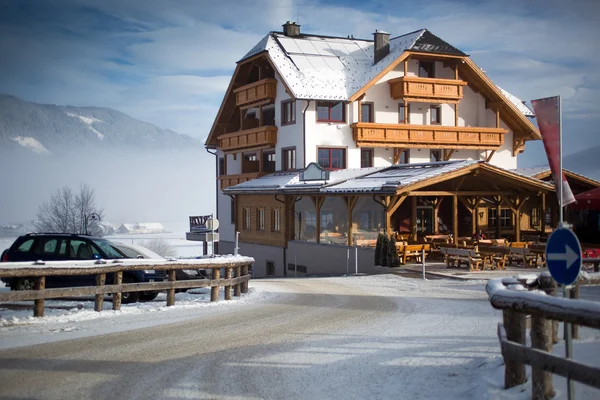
{"points": [[435, 155], [310, 219], [405, 157], [250, 157], [505, 217], [366, 158], [327, 220], [426, 69], [246, 217], [268, 161], [276, 220], [288, 112], [366, 112], [288, 159], [232, 210], [332, 158], [331, 111], [402, 114], [535, 220], [435, 114], [260, 219], [222, 167], [268, 116]]}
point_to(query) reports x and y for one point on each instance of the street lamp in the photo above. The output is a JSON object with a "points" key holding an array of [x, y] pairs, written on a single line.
{"points": [[91, 217]]}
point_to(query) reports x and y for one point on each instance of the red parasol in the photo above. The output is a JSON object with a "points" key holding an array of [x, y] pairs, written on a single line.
{"points": [[589, 200]]}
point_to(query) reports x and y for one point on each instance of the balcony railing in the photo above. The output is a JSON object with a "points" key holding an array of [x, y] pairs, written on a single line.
{"points": [[265, 89], [231, 180], [263, 136], [413, 88], [428, 136]]}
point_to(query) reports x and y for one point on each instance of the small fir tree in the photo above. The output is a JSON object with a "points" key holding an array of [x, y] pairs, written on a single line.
{"points": [[378, 249], [383, 251], [393, 260]]}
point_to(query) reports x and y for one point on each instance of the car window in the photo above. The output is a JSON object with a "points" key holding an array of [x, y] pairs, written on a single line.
{"points": [[74, 246], [25, 246], [108, 249], [62, 251], [129, 252], [49, 247]]}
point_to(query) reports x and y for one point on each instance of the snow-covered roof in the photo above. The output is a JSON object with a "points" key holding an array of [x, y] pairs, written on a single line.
{"points": [[521, 106], [531, 171]]}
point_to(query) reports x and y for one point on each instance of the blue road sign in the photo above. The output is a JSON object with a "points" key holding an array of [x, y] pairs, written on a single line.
{"points": [[563, 256]]}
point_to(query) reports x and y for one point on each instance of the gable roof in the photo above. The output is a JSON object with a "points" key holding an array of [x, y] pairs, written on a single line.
{"points": [[545, 174]]}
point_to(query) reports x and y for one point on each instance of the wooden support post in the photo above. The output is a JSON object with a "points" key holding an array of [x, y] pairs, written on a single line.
{"points": [[413, 219], [517, 225], [214, 290], [489, 157], [456, 114], [350, 202], [455, 219], [38, 304], [318, 203], [541, 339], [360, 99], [391, 204], [448, 154], [498, 118], [228, 274], [543, 215], [514, 372], [171, 291], [406, 67], [260, 115], [117, 280], [498, 201], [99, 298], [236, 287], [436, 210], [245, 284]]}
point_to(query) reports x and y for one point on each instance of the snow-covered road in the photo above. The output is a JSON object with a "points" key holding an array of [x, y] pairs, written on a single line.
{"points": [[370, 337]]}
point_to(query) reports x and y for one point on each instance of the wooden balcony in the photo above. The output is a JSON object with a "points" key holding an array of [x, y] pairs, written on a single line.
{"points": [[263, 136], [427, 136], [231, 180], [413, 88], [256, 92]]}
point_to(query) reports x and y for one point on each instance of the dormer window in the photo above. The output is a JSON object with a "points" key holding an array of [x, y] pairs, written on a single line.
{"points": [[331, 111], [426, 69]]}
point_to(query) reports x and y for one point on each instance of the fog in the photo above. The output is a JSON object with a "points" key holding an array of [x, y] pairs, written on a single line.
{"points": [[130, 186]]}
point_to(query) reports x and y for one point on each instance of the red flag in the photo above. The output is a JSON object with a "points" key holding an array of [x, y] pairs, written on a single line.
{"points": [[547, 113]]}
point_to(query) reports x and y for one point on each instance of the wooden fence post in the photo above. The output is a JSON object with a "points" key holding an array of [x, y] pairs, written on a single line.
{"points": [[541, 339], [514, 324], [236, 288], [575, 295], [99, 300], [228, 273], [214, 290], [38, 305], [117, 280], [171, 291], [245, 284], [549, 286]]}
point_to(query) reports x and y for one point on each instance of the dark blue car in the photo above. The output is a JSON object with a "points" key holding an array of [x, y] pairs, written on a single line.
{"points": [[62, 247]]}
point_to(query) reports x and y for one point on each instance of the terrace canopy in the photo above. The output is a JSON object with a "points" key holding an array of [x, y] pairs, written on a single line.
{"points": [[589, 200]]}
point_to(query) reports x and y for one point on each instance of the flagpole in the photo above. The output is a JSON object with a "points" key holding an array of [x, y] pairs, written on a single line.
{"points": [[560, 166]]}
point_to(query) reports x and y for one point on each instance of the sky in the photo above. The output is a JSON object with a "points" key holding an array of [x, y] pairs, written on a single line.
{"points": [[169, 62]]}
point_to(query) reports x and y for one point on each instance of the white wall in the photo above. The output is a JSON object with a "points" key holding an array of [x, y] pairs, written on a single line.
{"points": [[287, 135]]}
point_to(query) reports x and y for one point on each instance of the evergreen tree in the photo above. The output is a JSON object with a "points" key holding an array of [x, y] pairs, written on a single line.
{"points": [[383, 251], [393, 260], [378, 249]]}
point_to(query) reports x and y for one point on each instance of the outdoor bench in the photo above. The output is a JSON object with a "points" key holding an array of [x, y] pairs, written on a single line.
{"points": [[467, 256]]}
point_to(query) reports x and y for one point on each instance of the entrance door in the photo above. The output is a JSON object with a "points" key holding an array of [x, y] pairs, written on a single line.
{"points": [[425, 220], [270, 268]]}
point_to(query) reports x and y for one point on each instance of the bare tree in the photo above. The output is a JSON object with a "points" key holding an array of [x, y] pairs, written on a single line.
{"points": [[161, 247], [67, 212]]}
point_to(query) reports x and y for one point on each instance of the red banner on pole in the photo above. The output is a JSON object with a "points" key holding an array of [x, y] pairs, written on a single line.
{"points": [[547, 113]]}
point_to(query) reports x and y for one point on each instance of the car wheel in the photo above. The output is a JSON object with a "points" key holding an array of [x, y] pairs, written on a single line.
{"points": [[22, 284], [148, 296], [129, 297]]}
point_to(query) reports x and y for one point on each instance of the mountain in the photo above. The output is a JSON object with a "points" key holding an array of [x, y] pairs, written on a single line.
{"points": [[47, 129], [584, 162]]}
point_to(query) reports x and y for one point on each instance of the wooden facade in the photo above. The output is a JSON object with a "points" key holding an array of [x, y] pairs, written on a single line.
{"points": [[430, 90], [231, 180], [255, 92], [263, 136], [266, 232], [371, 134]]}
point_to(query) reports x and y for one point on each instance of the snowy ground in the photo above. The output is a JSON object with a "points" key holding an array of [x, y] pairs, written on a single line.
{"points": [[436, 338]]}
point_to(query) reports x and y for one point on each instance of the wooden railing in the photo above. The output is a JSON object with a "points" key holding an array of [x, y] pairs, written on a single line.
{"points": [[434, 136], [236, 277], [413, 88], [545, 311], [231, 180], [263, 136], [265, 89]]}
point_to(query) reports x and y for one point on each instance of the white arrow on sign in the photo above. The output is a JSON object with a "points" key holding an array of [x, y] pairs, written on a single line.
{"points": [[569, 256]]}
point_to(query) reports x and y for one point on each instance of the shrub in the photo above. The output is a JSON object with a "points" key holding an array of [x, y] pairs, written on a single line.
{"points": [[384, 250], [393, 260], [378, 249]]}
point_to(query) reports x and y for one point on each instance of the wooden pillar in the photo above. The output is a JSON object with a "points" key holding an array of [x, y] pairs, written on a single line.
{"points": [[228, 275], [516, 204], [214, 290], [117, 280], [406, 112], [245, 284], [514, 371], [260, 115], [541, 339], [318, 203], [406, 67], [456, 114], [456, 71], [517, 225], [360, 99], [550, 287], [436, 210], [38, 304], [498, 201], [543, 215], [498, 118], [260, 161], [413, 219], [99, 298], [391, 204], [455, 219], [241, 120], [171, 291], [350, 202]]}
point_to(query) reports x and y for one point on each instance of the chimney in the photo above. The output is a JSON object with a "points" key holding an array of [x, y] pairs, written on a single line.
{"points": [[291, 29], [382, 45]]}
